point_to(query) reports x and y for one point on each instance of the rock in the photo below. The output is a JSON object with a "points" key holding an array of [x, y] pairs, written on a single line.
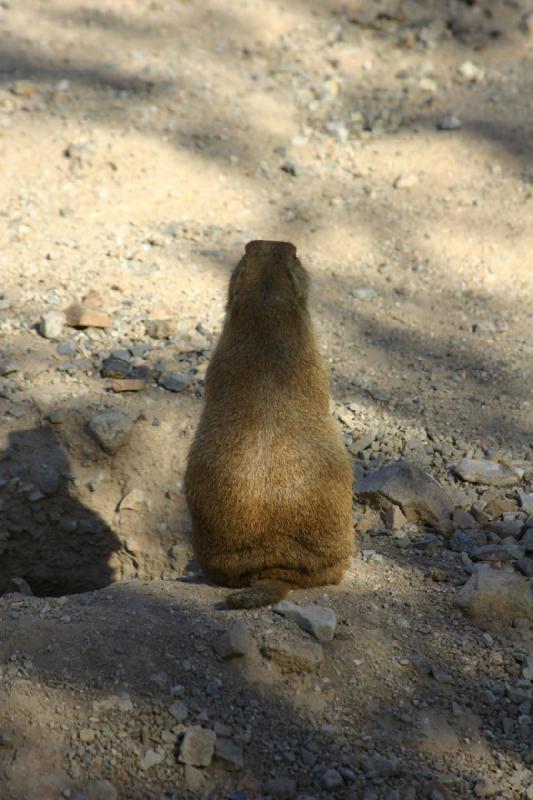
{"points": [[197, 747], [128, 385], [134, 501], [87, 735], [525, 566], [195, 780], [52, 323], [450, 122], [506, 527], [234, 642], [291, 168], [332, 780], [111, 429], [95, 790], [18, 586], [295, 656], [419, 496], [8, 368], [526, 27], [160, 328], [119, 702], [151, 759], [179, 711], [526, 502], [363, 442], [470, 72], [395, 518], [462, 519], [363, 293], [527, 540], [461, 542], [280, 788], [317, 620], [229, 754], [113, 367], [67, 348], [79, 315], [47, 479], [494, 598], [338, 130], [405, 181], [489, 473], [491, 552], [175, 381]]}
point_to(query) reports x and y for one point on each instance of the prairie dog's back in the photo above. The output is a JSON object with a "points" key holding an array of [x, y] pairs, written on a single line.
{"points": [[267, 351]]}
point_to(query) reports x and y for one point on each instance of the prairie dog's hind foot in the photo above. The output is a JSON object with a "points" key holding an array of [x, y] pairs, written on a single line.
{"points": [[262, 593]]}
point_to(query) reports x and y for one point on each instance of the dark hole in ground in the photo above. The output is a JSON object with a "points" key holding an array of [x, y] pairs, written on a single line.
{"points": [[47, 536]]}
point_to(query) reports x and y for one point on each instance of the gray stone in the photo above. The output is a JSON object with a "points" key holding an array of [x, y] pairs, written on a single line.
{"points": [[462, 519], [506, 527], [95, 790], [525, 566], [494, 598], [488, 473], [527, 540], [332, 780], [111, 429], [280, 788], [8, 368], [450, 122], [321, 622], [151, 759], [229, 754], [119, 702], [461, 542], [406, 181], [67, 348], [179, 711], [175, 381], [419, 496], [48, 479], [160, 328], [364, 293], [114, 367], [491, 552], [234, 642], [52, 324], [295, 656], [395, 518], [197, 747], [19, 586], [526, 502]]}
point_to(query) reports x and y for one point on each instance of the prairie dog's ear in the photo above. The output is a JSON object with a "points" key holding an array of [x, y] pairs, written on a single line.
{"points": [[299, 278], [234, 281]]}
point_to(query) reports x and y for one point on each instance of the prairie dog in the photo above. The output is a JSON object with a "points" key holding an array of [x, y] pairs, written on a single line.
{"points": [[268, 480]]}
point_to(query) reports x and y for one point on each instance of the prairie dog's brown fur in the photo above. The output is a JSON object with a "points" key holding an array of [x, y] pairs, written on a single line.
{"points": [[268, 481]]}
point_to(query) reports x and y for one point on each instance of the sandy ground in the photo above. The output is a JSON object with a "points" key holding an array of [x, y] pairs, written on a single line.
{"points": [[142, 144]]}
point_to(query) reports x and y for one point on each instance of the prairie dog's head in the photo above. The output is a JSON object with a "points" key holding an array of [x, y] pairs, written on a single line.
{"points": [[269, 276]]}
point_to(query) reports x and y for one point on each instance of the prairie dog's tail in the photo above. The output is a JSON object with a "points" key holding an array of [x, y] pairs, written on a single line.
{"points": [[261, 593]]}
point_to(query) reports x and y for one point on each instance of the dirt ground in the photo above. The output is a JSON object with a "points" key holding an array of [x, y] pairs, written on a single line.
{"points": [[142, 144]]}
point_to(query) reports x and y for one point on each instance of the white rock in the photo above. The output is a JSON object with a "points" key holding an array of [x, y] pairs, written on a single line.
{"points": [[489, 473], [321, 622], [234, 642], [111, 429], [197, 747], [52, 323], [151, 759], [526, 502], [495, 598]]}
